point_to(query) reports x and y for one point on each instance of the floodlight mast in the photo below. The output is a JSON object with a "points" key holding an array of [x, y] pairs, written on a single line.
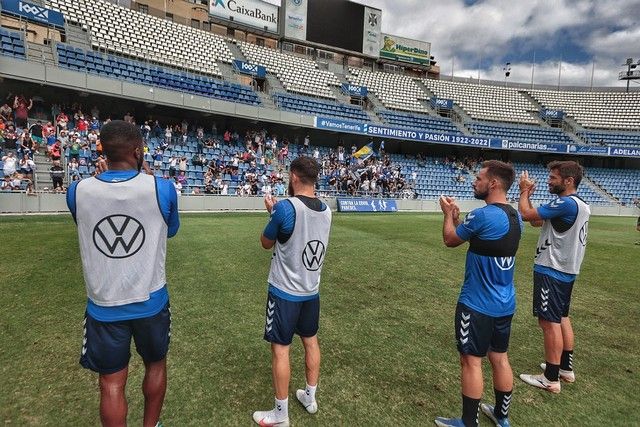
{"points": [[632, 73]]}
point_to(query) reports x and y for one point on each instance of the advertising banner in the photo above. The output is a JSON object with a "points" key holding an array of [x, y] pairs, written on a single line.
{"points": [[552, 114], [446, 104], [33, 12], [367, 205], [251, 69], [354, 90], [371, 31], [402, 49], [295, 19], [589, 149], [255, 13]]}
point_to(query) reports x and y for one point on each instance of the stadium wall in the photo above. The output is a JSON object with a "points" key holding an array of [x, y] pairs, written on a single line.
{"points": [[48, 203]]}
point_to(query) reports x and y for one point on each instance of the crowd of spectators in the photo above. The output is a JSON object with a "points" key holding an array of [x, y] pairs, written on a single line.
{"points": [[253, 163]]}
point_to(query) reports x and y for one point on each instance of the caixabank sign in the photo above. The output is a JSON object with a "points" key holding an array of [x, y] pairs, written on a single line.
{"points": [[255, 13]]}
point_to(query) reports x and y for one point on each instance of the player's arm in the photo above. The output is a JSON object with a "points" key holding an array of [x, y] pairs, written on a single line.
{"points": [[527, 211], [168, 201], [270, 233], [281, 222], [451, 219]]}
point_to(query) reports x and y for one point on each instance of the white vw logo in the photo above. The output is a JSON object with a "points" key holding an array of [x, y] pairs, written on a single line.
{"points": [[313, 255], [505, 263], [584, 231], [118, 236]]}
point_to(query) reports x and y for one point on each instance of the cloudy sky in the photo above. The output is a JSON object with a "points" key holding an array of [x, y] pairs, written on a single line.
{"points": [[482, 35]]}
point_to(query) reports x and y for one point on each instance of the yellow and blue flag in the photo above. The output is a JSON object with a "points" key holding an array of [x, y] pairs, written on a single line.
{"points": [[365, 152]]}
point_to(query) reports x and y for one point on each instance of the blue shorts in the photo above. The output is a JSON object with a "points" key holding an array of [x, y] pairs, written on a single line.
{"points": [[106, 345], [477, 333], [285, 318], [551, 297]]}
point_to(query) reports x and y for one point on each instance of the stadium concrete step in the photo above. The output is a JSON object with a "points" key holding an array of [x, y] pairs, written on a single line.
{"points": [[40, 53], [599, 190], [235, 50], [77, 36]]}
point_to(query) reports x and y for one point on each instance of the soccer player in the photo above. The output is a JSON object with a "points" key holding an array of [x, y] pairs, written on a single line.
{"points": [[487, 298], [299, 233], [559, 254], [124, 218]]}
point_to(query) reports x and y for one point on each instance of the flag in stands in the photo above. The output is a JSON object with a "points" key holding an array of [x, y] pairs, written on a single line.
{"points": [[365, 152]]}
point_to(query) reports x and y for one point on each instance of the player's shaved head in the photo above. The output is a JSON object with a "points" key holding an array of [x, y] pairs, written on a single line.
{"points": [[119, 140]]}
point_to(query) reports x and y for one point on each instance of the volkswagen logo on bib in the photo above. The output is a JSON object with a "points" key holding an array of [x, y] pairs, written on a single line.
{"points": [[118, 236], [313, 255], [584, 231], [505, 263]]}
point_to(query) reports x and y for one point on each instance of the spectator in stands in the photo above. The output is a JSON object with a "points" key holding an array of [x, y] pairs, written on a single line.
{"points": [[145, 130], [56, 150], [73, 167], [157, 158], [62, 121], [10, 163], [178, 186], [168, 135], [182, 164], [21, 109], [27, 166], [5, 113], [94, 124], [10, 137], [7, 183], [57, 175], [182, 178], [173, 163], [74, 149], [128, 118], [36, 132], [82, 126]]}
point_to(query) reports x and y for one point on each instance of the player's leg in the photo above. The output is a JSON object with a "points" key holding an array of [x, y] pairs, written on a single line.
{"points": [[502, 373], [105, 350], [548, 306], [281, 370], [152, 336], [281, 318], [473, 332], [154, 388], [307, 328], [113, 402]]}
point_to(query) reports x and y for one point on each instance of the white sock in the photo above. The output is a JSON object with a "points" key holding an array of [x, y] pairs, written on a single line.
{"points": [[310, 390], [281, 410]]}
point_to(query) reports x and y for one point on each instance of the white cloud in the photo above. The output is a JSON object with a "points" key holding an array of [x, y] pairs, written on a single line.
{"points": [[608, 31]]}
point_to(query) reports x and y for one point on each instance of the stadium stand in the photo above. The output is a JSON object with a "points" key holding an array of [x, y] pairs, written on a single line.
{"points": [[123, 31], [139, 72], [539, 174], [395, 91], [12, 43], [486, 102], [520, 132], [611, 138], [597, 110], [432, 123], [622, 184], [297, 74], [308, 105]]}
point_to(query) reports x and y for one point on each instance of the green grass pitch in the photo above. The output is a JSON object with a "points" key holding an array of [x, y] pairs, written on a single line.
{"points": [[388, 292]]}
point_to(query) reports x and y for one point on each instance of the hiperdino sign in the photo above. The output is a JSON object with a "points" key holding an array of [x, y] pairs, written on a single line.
{"points": [[256, 13]]}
